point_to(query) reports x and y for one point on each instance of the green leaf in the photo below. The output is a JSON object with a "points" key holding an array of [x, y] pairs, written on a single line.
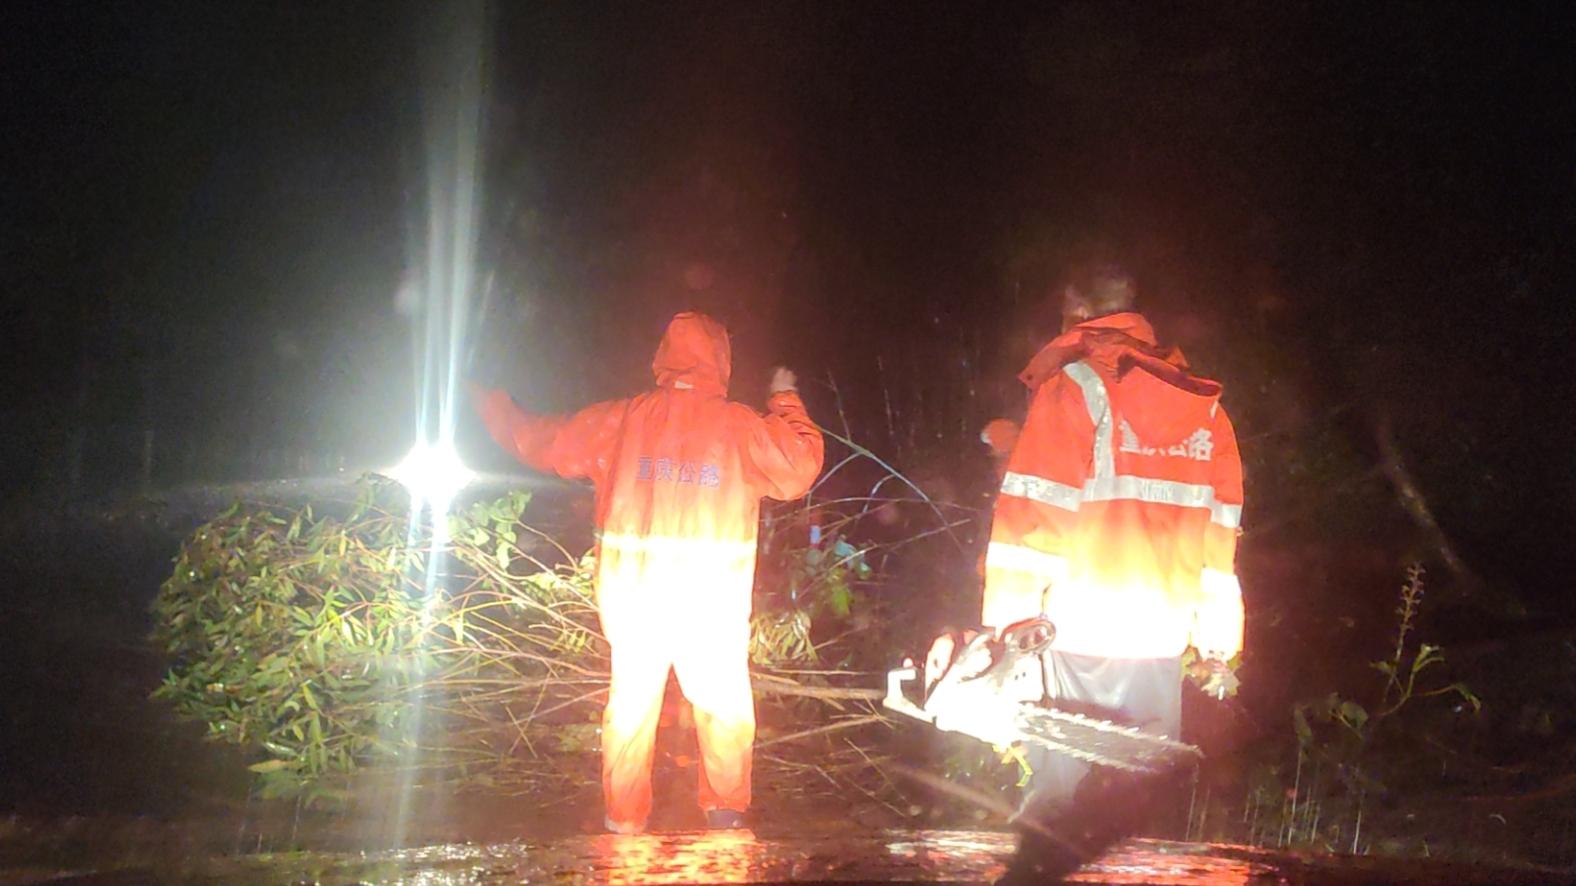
{"points": [[503, 555], [1427, 655], [840, 599], [1469, 696], [269, 766], [1299, 722], [1353, 715]]}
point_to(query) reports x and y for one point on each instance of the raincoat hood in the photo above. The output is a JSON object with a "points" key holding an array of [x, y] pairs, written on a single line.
{"points": [[1115, 345], [694, 355]]}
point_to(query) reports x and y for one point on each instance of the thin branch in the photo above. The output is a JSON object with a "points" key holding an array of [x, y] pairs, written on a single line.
{"points": [[897, 474], [837, 726], [762, 684]]}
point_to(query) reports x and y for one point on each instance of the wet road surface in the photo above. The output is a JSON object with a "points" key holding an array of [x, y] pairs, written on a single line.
{"points": [[933, 856]]}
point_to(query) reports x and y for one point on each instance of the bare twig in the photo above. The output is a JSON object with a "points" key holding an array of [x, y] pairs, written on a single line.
{"points": [[982, 800], [765, 684], [837, 726], [894, 472]]}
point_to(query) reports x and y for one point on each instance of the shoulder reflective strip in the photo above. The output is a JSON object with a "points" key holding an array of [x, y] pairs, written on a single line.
{"points": [[1044, 491], [1019, 558], [1128, 487], [676, 545], [1099, 406]]}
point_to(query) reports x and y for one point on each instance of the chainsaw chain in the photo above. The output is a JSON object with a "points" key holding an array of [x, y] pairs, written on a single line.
{"points": [[1101, 742]]}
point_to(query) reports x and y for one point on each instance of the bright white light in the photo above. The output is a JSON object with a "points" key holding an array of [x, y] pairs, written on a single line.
{"points": [[433, 474]]}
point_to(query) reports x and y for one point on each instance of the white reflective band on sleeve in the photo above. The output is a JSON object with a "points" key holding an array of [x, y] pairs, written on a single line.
{"points": [[1000, 555], [676, 546], [1044, 491], [1099, 412], [1128, 487]]}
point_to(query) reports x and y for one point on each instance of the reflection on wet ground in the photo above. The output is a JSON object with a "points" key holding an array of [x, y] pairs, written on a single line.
{"points": [[886, 857]]}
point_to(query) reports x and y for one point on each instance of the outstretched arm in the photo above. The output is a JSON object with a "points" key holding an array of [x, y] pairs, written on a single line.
{"points": [[574, 446], [784, 449]]}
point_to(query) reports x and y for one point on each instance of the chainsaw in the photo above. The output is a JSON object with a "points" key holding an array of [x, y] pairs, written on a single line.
{"points": [[975, 695]]}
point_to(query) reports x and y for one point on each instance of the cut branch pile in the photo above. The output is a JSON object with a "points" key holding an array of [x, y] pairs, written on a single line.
{"points": [[332, 646]]}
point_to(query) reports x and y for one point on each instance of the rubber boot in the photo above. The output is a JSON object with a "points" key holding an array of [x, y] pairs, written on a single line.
{"points": [[724, 819]]}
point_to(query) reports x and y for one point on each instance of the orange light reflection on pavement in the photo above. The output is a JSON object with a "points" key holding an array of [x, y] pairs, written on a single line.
{"points": [[705, 857]]}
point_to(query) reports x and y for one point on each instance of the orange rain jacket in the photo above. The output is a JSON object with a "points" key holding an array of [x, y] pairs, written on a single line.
{"points": [[1119, 511], [679, 473]]}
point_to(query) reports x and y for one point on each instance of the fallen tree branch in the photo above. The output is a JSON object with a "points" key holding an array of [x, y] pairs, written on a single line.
{"points": [[1557, 787], [1416, 505], [822, 730], [765, 685]]}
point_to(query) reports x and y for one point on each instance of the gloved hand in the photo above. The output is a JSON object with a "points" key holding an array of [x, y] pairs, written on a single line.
{"points": [[941, 654], [1001, 435], [783, 379], [1214, 675]]}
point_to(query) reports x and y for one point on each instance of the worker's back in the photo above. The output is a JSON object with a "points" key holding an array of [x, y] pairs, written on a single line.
{"points": [[1127, 487], [1147, 504], [679, 472]]}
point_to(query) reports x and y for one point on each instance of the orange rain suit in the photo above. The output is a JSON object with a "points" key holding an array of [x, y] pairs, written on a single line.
{"points": [[1120, 507], [679, 473]]}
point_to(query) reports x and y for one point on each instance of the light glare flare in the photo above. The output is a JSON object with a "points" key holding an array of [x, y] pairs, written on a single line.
{"points": [[433, 474]]}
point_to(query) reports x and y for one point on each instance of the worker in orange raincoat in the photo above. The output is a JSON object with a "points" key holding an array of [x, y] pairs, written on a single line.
{"points": [[1117, 520], [679, 473]]}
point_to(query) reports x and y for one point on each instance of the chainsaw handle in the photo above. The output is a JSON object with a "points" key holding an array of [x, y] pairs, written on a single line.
{"points": [[1031, 636], [896, 700], [988, 650]]}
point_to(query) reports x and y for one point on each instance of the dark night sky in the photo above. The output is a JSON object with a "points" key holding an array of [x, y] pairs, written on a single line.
{"points": [[207, 209]]}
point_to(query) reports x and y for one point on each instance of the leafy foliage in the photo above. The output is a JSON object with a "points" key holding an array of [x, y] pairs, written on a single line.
{"points": [[330, 644], [820, 575], [1347, 751], [324, 643]]}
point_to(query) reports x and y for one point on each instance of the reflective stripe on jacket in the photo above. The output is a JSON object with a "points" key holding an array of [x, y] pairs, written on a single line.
{"points": [[1120, 507]]}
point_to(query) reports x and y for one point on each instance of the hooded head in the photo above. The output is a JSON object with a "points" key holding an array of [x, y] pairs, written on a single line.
{"points": [[1097, 289], [694, 354], [1116, 344]]}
